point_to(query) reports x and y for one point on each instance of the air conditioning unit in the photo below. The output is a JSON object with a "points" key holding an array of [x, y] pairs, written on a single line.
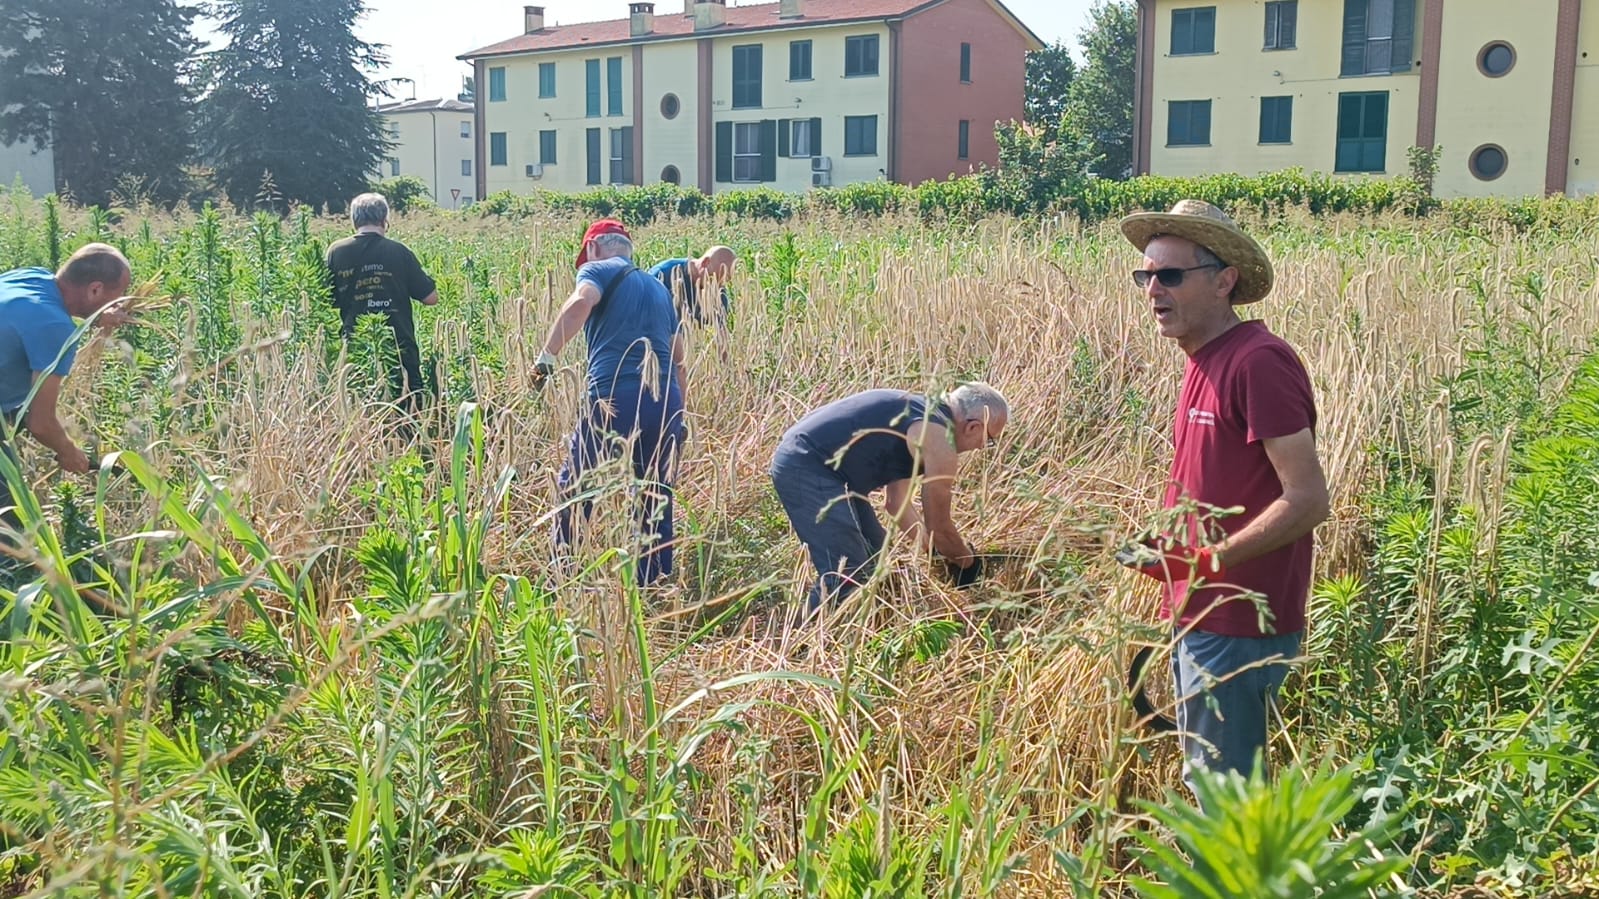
{"points": [[821, 179], [535, 170], [821, 163]]}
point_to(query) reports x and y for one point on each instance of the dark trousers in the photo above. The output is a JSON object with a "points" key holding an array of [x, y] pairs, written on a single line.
{"points": [[839, 528], [405, 378], [654, 425]]}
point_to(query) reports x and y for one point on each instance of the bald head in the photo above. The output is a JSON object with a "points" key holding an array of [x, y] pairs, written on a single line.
{"points": [[95, 262], [94, 276], [717, 263]]}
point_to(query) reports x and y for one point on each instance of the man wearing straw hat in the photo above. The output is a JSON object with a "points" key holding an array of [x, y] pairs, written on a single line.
{"points": [[1244, 437], [634, 402]]}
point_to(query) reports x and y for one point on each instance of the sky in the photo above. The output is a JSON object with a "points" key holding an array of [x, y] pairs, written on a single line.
{"points": [[425, 36]]}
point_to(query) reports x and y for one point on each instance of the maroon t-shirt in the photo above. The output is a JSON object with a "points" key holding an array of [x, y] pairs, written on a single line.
{"points": [[1240, 389]]}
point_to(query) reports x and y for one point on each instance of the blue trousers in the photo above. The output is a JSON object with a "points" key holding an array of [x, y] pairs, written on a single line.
{"points": [[1225, 687], [654, 425], [838, 527]]}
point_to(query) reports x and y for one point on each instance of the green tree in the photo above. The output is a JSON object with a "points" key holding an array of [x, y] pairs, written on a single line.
{"points": [[290, 98], [1049, 75], [1099, 103], [107, 86]]}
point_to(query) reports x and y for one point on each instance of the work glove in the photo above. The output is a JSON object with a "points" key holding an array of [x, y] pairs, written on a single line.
{"points": [[965, 577], [1179, 562], [542, 370]]}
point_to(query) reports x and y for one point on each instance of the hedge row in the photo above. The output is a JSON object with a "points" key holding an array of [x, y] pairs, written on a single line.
{"points": [[1091, 200], [975, 195]]}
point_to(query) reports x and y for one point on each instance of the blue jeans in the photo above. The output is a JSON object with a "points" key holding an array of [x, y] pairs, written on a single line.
{"points": [[654, 424], [1225, 687], [839, 528]]}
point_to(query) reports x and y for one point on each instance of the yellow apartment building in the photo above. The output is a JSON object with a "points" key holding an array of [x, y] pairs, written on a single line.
{"points": [[33, 166], [1510, 91], [789, 95], [434, 140]]}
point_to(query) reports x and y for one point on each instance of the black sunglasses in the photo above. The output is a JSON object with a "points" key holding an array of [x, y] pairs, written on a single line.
{"points": [[1169, 277]]}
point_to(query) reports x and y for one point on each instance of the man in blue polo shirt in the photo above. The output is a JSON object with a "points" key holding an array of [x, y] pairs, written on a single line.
{"points": [[635, 386], [36, 345], [685, 278]]}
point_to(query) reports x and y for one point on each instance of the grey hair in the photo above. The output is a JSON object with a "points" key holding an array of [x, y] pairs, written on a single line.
{"points": [[610, 245], [977, 401], [1205, 257], [369, 209]]}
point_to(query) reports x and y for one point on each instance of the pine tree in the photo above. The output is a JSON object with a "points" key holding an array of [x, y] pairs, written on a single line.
{"points": [[107, 86], [289, 96]]}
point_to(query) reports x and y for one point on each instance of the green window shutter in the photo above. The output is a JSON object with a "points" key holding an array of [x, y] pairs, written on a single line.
{"points": [[1205, 30], [629, 176], [1404, 34], [768, 150], [594, 156], [724, 152], [816, 138], [613, 93], [591, 71], [783, 128], [1354, 38]]}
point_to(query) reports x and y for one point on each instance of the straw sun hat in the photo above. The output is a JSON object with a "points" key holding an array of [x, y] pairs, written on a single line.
{"points": [[1211, 228]]}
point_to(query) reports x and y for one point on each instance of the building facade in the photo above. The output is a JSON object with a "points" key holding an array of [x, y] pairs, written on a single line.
{"points": [[435, 140], [33, 166], [1511, 95], [789, 95]]}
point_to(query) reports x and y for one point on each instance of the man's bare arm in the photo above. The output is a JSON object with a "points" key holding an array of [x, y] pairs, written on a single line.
{"points": [[1303, 505], [45, 425], [573, 315], [939, 468]]}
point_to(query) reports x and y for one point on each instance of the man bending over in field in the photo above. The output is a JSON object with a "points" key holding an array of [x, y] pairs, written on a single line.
{"points": [[827, 464], [685, 278], [37, 348], [370, 274], [1244, 436], [635, 387]]}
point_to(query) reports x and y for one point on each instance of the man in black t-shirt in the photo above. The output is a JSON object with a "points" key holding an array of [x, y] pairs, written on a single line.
{"points": [[369, 274]]}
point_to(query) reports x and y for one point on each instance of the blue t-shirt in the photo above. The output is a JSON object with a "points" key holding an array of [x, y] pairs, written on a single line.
{"points": [[631, 333], [35, 333], [674, 274]]}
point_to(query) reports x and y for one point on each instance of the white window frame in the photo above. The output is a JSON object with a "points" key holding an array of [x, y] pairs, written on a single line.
{"points": [[746, 152]]}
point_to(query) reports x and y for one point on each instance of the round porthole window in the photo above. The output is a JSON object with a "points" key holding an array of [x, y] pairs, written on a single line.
{"points": [[1488, 162], [671, 175], [670, 106], [1496, 59]]}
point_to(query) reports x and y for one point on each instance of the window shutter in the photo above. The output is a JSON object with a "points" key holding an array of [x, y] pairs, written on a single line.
{"points": [[1404, 33], [724, 152], [593, 161], [1288, 25], [1354, 37], [783, 129], [1205, 30], [768, 150], [628, 175], [816, 138]]}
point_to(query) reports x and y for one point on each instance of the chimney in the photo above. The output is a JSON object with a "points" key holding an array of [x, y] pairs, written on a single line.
{"points": [[532, 19], [790, 9], [642, 16], [709, 14]]}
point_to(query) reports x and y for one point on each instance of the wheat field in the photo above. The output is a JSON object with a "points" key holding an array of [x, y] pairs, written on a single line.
{"points": [[417, 703]]}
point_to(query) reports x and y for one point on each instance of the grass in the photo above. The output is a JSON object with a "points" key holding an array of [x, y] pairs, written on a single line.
{"points": [[342, 666]]}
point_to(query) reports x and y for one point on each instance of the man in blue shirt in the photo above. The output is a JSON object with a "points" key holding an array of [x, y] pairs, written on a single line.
{"points": [[635, 387], [36, 345], [685, 278]]}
